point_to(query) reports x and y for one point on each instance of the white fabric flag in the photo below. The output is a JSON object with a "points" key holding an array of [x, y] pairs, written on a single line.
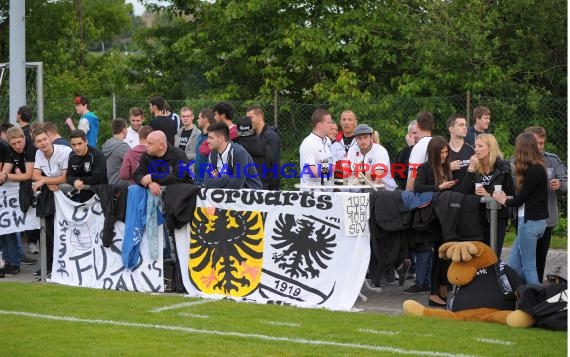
{"points": [[12, 219], [275, 247], [80, 259]]}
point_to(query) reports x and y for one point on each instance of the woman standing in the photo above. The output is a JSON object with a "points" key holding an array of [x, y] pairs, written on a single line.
{"points": [[488, 169], [531, 200], [435, 175]]}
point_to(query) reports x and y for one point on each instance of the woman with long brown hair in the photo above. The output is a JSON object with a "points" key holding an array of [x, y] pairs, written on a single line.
{"points": [[532, 202], [433, 176]]}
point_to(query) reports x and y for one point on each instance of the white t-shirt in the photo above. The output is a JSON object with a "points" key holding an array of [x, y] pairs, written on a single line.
{"points": [[56, 163], [337, 149], [418, 155], [376, 157], [132, 137], [314, 150]]}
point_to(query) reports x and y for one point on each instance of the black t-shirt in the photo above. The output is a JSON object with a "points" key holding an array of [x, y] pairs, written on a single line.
{"points": [[485, 291], [19, 160], [463, 155], [166, 125], [347, 142], [4, 151], [184, 137]]}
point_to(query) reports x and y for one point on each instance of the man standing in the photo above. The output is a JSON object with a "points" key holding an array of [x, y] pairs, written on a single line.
{"points": [[136, 118], [170, 170], [86, 167], [54, 136], [557, 182], [315, 150], [482, 116], [229, 162], [348, 123], [23, 118], [49, 171], [370, 159], [160, 121], [186, 137], [17, 168], [133, 156], [224, 112], [459, 151], [88, 123], [205, 119], [403, 157], [270, 137], [114, 150], [419, 153], [257, 149]]}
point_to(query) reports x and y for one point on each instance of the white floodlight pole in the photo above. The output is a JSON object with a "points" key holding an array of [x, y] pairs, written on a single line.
{"points": [[17, 56]]}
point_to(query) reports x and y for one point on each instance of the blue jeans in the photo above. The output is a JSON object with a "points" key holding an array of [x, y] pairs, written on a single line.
{"points": [[423, 268], [523, 254], [9, 247]]}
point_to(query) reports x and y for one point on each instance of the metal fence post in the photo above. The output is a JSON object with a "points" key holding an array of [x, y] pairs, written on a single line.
{"points": [[493, 206], [468, 107], [114, 98], [43, 253]]}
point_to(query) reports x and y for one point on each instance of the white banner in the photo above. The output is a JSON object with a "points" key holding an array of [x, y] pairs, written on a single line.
{"points": [[81, 260], [12, 219], [282, 247]]}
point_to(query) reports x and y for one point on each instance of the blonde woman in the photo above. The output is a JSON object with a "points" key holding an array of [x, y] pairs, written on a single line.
{"points": [[487, 169]]}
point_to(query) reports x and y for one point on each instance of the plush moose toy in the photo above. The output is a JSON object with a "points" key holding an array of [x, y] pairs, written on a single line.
{"points": [[485, 287]]}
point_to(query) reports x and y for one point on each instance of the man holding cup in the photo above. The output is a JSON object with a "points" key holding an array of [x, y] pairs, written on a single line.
{"points": [[557, 182]]}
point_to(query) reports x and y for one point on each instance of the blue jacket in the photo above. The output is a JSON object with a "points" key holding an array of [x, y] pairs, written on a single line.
{"points": [[135, 224]]}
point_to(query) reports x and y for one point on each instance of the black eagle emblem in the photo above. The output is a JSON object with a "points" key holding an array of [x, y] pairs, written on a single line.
{"points": [[305, 245], [221, 244]]}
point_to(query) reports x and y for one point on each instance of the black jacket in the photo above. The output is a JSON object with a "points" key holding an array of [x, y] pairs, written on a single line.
{"points": [[261, 155], [501, 176], [458, 215], [114, 205], [533, 193], [166, 170], [180, 203]]}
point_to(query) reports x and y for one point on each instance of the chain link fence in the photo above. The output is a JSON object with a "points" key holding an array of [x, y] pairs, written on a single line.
{"points": [[389, 115]]}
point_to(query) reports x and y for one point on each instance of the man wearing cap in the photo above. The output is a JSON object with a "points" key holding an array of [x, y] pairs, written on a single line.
{"points": [[88, 123], [257, 149], [370, 159], [315, 150], [231, 165]]}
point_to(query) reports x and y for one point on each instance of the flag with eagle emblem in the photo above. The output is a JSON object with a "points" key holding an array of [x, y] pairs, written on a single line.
{"points": [[282, 247]]}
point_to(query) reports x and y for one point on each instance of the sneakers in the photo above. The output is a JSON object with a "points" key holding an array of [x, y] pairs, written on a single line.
{"points": [[27, 261], [11, 270], [416, 289], [33, 248]]}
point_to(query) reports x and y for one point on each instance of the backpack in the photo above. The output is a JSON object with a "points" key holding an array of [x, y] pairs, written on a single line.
{"points": [[547, 304]]}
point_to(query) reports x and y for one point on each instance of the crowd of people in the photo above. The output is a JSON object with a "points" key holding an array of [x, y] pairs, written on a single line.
{"points": [[209, 151], [469, 161], [218, 149]]}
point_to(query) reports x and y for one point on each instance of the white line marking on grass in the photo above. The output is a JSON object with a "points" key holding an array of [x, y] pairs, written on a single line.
{"points": [[234, 334], [496, 342], [379, 332], [181, 305], [185, 314], [279, 323]]}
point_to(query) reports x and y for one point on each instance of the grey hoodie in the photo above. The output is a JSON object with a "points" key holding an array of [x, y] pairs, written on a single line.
{"points": [[114, 150]]}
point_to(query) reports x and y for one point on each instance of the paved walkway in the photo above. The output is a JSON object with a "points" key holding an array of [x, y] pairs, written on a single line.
{"points": [[389, 301]]}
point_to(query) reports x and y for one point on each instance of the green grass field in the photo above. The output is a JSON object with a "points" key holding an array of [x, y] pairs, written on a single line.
{"points": [[42, 319]]}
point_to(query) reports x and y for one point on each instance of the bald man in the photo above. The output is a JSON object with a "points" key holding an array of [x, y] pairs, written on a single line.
{"points": [[162, 164]]}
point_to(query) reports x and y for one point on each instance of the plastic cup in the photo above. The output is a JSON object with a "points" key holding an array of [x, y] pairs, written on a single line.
{"points": [[477, 185], [498, 188], [549, 173]]}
